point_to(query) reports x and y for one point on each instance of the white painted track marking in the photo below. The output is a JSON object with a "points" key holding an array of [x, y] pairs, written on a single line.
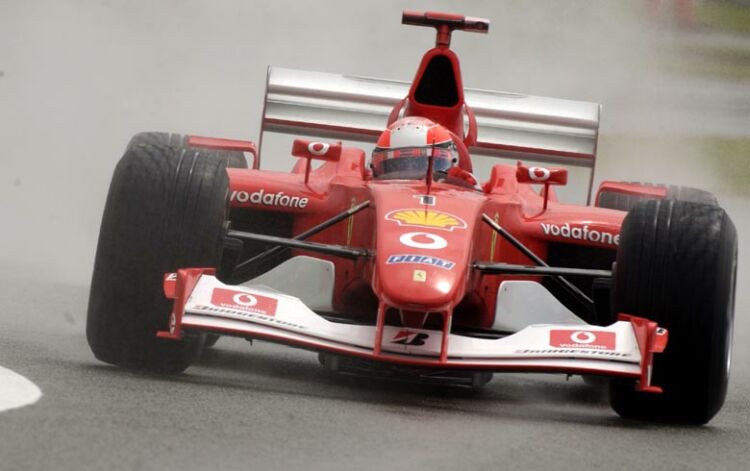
{"points": [[16, 391]]}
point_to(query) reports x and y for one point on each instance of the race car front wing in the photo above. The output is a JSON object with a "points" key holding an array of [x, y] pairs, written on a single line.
{"points": [[204, 304]]}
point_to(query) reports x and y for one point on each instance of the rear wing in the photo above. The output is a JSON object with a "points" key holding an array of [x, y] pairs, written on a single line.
{"points": [[356, 108]]}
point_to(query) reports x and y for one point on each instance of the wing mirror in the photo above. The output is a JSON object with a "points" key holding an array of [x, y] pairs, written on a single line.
{"points": [[310, 150]]}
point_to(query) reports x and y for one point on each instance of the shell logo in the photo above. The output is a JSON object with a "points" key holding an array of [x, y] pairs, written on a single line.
{"points": [[426, 218]]}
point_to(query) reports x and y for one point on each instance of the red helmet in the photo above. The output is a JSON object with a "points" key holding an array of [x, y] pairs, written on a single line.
{"points": [[404, 149]]}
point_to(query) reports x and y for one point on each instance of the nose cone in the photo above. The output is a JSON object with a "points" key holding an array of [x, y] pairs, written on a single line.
{"points": [[422, 282], [423, 250]]}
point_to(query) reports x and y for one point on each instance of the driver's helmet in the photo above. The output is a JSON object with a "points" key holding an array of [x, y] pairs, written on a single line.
{"points": [[404, 149]]}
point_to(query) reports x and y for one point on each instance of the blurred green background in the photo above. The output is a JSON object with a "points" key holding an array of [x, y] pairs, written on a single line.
{"points": [[710, 40]]}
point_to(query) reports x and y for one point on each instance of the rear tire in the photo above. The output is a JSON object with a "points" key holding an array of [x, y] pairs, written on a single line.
{"points": [[677, 265], [165, 210], [623, 202]]}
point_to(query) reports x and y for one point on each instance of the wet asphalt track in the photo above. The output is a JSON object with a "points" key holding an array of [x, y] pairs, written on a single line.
{"points": [[78, 78]]}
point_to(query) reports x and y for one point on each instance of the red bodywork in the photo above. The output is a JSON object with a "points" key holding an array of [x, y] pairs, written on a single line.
{"points": [[398, 223], [425, 235]]}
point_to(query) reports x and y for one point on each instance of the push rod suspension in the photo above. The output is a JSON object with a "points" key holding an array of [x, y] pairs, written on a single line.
{"points": [[328, 249], [239, 269], [510, 269], [559, 279]]}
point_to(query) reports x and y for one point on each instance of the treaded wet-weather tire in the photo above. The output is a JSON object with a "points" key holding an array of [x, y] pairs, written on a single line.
{"points": [[622, 202], [234, 159], [165, 210], [677, 265]]}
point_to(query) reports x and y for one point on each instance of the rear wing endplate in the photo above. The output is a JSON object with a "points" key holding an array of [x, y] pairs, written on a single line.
{"points": [[357, 108]]}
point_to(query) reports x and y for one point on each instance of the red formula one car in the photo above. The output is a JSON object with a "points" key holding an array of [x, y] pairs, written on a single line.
{"points": [[406, 263]]}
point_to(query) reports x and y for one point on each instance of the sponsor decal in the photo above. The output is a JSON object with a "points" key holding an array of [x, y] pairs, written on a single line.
{"points": [[426, 218], [419, 275], [242, 301], [423, 240], [407, 337], [318, 148], [420, 259], [582, 339], [261, 197], [567, 231], [249, 316], [427, 200], [539, 174], [568, 351]]}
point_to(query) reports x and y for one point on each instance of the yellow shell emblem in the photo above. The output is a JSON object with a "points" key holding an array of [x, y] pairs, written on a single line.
{"points": [[426, 218]]}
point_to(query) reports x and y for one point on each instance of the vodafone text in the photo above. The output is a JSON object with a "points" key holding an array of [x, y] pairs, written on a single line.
{"points": [[269, 199], [581, 233]]}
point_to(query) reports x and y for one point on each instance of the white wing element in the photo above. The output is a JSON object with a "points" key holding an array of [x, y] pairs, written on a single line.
{"points": [[308, 278], [262, 313], [523, 303]]}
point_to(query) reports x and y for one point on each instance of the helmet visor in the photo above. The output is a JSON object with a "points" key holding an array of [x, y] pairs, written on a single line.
{"points": [[411, 162]]}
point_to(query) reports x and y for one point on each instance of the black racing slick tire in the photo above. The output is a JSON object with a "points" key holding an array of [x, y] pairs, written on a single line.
{"points": [[165, 210], [623, 202], [677, 265]]}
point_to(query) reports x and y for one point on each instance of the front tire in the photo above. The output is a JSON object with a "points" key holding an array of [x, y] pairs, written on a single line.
{"points": [[677, 265], [165, 210]]}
